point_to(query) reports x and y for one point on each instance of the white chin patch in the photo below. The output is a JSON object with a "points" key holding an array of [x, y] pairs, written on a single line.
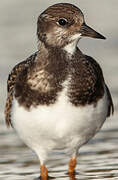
{"points": [[71, 47]]}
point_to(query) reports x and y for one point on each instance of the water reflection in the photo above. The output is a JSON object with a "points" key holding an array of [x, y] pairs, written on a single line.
{"points": [[70, 177], [97, 160]]}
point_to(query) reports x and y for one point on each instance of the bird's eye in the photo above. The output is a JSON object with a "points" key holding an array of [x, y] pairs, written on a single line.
{"points": [[62, 22]]}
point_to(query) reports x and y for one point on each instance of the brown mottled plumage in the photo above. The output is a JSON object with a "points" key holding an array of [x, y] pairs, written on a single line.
{"points": [[86, 85], [12, 79], [57, 98]]}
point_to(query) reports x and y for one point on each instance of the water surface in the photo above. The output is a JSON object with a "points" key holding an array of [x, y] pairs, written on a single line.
{"points": [[99, 158]]}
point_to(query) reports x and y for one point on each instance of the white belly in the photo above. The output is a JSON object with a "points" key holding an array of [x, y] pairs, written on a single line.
{"points": [[58, 126]]}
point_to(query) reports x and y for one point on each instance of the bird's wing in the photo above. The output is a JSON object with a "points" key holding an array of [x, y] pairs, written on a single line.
{"points": [[100, 75], [110, 105], [12, 78]]}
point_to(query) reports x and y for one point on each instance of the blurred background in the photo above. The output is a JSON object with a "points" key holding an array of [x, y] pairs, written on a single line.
{"points": [[18, 41]]}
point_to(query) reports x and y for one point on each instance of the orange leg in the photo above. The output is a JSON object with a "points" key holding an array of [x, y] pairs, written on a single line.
{"points": [[72, 177], [72, 165], [44, 172]]}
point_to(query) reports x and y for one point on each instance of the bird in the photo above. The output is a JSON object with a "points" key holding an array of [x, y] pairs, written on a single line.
{"points": [[57, 98]]}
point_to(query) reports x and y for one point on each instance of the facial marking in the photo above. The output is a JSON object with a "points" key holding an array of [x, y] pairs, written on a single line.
{"points": [[71, 47], [61, 25]]}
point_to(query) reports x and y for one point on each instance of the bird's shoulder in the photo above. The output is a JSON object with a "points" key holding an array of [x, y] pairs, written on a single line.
{"points": [[12, 78], [88, 66], [17, 70], [87, 81], [95, 65], [99, 75]]}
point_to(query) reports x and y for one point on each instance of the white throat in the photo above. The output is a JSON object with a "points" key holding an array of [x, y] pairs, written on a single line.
{"points": [[71, 47]]}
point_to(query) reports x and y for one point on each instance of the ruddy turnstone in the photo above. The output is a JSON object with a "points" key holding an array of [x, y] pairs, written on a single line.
{"points": [[57, 98]]}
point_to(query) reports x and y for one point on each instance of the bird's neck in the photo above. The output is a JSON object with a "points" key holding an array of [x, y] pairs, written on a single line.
{"points": [[50, 55], [51, 60], [66, 53]]}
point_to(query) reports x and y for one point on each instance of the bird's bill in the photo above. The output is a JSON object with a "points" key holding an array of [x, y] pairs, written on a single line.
{"points": [[89, 32]]}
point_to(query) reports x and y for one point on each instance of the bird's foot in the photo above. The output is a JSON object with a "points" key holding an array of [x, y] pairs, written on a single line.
{"points": [[72, 165], [44, 172]]}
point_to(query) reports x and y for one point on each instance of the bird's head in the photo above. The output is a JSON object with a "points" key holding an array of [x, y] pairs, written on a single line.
{"points": [[62, 25]]}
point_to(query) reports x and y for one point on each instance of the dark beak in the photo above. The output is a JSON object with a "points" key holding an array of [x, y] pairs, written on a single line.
{"points": [[89, 32]]}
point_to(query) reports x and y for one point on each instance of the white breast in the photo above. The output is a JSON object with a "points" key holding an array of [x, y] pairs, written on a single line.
{"points": [[58, 126]]}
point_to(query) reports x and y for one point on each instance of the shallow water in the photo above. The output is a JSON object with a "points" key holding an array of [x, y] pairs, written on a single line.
{"points": [[99, 158]]}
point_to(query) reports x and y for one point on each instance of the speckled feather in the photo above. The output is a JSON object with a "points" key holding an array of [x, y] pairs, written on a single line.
{"points": [[11, 84], [57, 98], [39, 79], [86, 84]]}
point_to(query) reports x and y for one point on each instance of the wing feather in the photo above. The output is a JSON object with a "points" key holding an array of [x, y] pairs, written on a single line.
{"points": [[12, 78], [100, 75], [111, 105]]}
